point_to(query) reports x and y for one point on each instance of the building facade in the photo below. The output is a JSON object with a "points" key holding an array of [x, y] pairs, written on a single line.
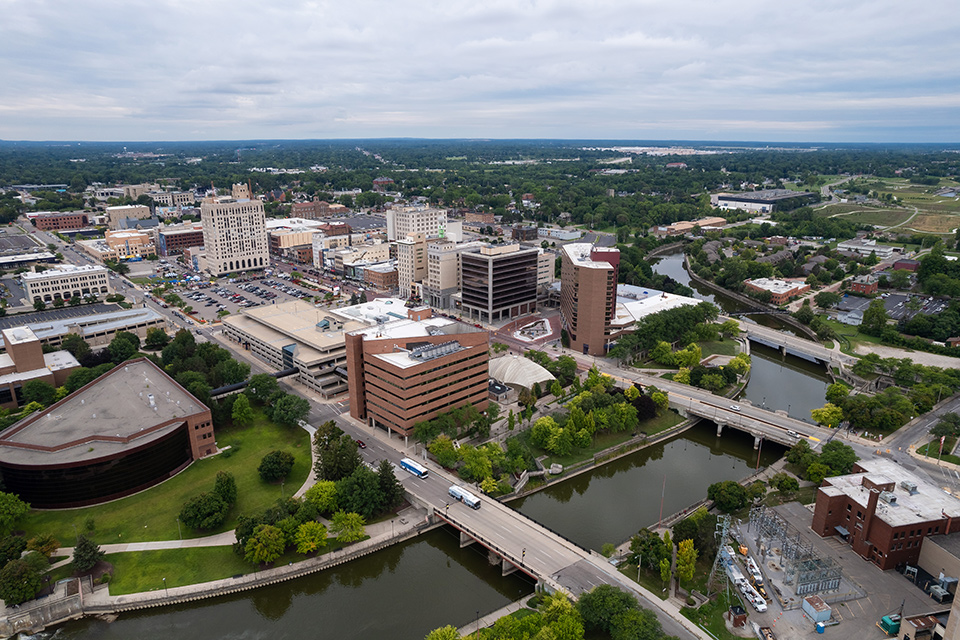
{"points": [[498, 281], [66, 282], [234, 233], [867, 284], [402, 221], [173, 240], [884, 512], [127, 211], [58, 221], [444, 272], [119, 245], [588, 295], [411, 262], [407, 371], [24, 360]]}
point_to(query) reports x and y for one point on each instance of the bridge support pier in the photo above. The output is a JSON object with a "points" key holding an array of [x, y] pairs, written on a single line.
{"points": [[783, 351], [682, 412], [492, 557], [719, 429], [507, 567], [756, 442], [465, 540]]}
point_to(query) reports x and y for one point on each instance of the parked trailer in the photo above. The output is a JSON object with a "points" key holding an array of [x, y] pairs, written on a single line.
{"points": [[415, 468], [464, 496]]}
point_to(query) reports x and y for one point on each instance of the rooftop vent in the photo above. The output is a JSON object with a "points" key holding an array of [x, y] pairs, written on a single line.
{"points": [[433, 351], [909, 487], [888, 497]]}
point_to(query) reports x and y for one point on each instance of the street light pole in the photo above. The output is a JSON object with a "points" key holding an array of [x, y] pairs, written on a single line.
{"points": [[165, 590]]}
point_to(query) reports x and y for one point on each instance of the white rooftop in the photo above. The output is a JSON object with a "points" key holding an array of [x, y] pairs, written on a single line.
{"points": [[63, 270], [579, 253], [776, 286], [634, 303], [929, 502]]}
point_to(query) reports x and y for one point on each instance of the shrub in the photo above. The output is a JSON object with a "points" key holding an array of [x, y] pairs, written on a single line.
{"points": [[205, 511]]}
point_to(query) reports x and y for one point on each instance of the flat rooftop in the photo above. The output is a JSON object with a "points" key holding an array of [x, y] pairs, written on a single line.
{"points": [[579, 254], [92, 323], [63, 270], [776, 286], [634, 303], [112, 414], [765, 195], [928, 503]]}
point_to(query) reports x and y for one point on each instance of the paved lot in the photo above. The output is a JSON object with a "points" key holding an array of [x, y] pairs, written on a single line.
{"points": [[15, 243], [896, 305], [885, 590]]}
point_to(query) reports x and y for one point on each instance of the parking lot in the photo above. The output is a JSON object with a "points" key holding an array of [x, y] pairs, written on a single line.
{"points": [[896, 305]]}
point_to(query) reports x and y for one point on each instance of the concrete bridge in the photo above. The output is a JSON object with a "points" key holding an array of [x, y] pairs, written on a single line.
{"points": [[800, 347]]}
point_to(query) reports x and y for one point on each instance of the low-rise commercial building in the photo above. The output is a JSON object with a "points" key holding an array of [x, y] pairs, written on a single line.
{"points": [[128, 430], [684, 227], [907, 265], [865, 247], [867, 284], [24, 360], [884, 512], [780, 290], [409, 370], [60, 221], [524, 234], [173, 240], [119, 245], [559, 234], [122, 212], [382, 277], [760, 201], [65, 282]]}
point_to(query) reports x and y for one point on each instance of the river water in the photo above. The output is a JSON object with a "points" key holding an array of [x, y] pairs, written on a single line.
{"points": [[613, 502]]}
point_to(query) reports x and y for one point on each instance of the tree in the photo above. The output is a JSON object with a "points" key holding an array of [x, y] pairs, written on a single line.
{"points": [[360, 492], [310, 537], [76, 345], [262, 387], [686, 560], [19, 582], [949, 425], [323, 495], [225, 487], [636, 624], [156, 338], [839, 457], [43, 543], [665, 568], [39, 391], [837, 393], [242, 413], [39, 305], [827, 299], [829, 415], [444, 633], [275, 466], [205, 511], [900, 279], [335, 453], [86, 554], [729, 495], [11, 548], [390, 488], [348, 527], [816, 472], [290, 410], [265, 545], [784, 483], [599, 606], [804, 314], [556, 389], [874, 318], [121, 348], [12, 508]]}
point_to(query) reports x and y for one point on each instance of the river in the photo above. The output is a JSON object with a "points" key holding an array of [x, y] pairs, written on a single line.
{"points": [[612, 502]]}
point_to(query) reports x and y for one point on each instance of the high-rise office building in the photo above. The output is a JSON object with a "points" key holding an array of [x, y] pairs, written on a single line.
{"points": [[234, 233], [405, 220], [588, 295], [411, 262], [498, 281]]}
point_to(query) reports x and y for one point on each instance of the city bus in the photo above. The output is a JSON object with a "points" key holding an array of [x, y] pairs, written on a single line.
{"points": [[464, 496], [415, 468]]}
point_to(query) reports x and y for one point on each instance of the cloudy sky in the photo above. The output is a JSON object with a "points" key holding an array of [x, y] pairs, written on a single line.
{"points": [[772, 70]]}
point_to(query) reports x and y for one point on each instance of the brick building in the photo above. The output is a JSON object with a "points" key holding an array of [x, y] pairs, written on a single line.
{"points": [[588, 295], [780, 290], [867, 284], [884, 512], [409, 370], [173, 240], [60, 221]]}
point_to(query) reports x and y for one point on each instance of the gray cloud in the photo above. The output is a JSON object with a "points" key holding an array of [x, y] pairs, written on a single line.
{"points": [[171, 69]]}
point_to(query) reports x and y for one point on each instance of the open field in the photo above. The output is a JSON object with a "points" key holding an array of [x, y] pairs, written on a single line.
{"points": [[152, 514], [935, 223]]}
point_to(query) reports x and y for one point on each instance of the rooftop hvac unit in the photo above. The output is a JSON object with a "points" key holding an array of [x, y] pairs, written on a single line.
{"points": [[909, 487], [888, 497]]}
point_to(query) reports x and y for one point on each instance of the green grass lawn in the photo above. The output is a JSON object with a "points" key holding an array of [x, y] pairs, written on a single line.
{"points": [[932, 448], [710, 616], [152, 514], [662, 422], [718, 348]]}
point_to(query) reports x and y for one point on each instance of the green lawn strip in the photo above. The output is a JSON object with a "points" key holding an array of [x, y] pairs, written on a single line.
{"points": [[805, 495], [138, 571], [710, 616], [152, 514], [931, 449], [649, 579], [662, 422], [719, 348]]}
